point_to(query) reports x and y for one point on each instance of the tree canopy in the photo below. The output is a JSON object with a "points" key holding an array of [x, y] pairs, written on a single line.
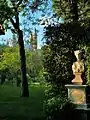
{"points": [[10, 65], [67, 8]]}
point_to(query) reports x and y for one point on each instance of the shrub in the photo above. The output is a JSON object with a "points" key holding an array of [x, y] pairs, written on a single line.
{"points": [[57, 107]]}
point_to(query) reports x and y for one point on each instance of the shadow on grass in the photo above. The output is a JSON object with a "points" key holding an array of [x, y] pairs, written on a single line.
{"points": [[13, 107]]}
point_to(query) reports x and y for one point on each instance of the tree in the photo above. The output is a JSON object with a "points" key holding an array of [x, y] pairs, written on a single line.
{"points": [[77, 11], [61, 42], [16, 25], [58, 60], [72, 10], [10, 68], [34, 70], [9, 64], [5, 8], [10, 10]]}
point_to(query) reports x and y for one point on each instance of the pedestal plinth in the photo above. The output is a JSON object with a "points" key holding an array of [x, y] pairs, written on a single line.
{"points": [[80, 96]]}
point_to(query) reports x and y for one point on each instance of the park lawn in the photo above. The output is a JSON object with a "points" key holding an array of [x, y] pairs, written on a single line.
{"points": [[14, 107]]}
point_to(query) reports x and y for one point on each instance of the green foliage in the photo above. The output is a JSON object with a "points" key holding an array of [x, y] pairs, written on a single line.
{"points": [[59, 52], [17, 7], [87, 50], [10, 65], [35, 68], [61, 41], [10, 8], [65, 9], [5, 11], [9, 58], [57, 106]]}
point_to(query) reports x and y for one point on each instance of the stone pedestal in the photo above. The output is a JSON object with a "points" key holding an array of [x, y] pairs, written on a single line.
{"points": [[80, 96]]}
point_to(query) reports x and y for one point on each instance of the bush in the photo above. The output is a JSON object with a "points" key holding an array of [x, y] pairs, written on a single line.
{"points": [[57, 107]]}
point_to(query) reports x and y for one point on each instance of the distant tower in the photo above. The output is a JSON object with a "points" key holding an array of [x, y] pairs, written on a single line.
{"points": [[33, 40]]}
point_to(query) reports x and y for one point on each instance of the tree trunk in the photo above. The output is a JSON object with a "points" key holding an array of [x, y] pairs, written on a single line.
{"points": [[25, 91]]}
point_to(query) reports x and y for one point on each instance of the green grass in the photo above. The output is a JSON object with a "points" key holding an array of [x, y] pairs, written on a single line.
{"points": [[14, 107]]}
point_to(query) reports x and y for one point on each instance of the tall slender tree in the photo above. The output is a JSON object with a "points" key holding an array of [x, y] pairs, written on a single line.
{"points": [[16, 25]]}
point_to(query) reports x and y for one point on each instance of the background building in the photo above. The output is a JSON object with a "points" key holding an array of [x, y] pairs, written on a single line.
{"points": [[33, 40]]}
